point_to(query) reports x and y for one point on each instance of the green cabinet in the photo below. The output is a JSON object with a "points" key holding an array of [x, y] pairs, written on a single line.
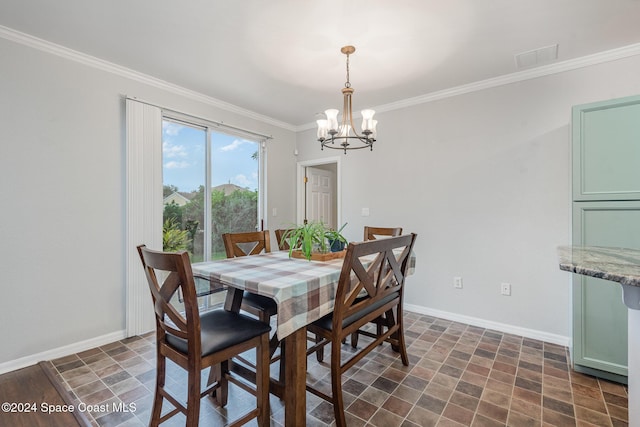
{"points": [[606, 212], [606, 150], [599, 315]]}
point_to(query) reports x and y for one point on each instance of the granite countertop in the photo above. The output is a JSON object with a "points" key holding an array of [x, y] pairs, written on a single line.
{"points": [[620, 265]]}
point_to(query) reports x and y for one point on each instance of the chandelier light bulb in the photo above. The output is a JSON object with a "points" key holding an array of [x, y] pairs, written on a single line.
{"points": [[367, 120], [332, 120], [322, 129]]}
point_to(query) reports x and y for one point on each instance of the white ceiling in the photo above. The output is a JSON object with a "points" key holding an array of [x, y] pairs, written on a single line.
{"points": [[281, 58]]}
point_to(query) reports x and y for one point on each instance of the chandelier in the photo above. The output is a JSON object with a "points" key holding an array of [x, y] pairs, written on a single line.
{"points": [[344, 136]]}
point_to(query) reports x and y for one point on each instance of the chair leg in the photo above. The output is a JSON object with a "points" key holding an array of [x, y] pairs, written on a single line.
{"points": [[193, 399], [390, 320], [379, 329], [274, 342], [161, 365], [263, 317], [222, 393], [320, 351], [283, 363], [354, 340], [263, 361], [336, 386], [217, 374], [402, 347]]}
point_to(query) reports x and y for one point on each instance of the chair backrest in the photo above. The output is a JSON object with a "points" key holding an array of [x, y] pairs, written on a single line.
{"points": [[371, 233], [361, 288], [283, 244], [249, 243], [168, 272]]}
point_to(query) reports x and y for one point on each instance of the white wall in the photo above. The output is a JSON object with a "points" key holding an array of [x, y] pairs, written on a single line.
{"points": [[484, 180], [62, 169]]}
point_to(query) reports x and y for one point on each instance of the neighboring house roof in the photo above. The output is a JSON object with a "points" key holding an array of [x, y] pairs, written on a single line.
{"points": [[181, 198], [177, 198], [227, 188]]}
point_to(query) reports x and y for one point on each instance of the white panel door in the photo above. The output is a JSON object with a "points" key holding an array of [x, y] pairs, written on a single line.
{"points": [[320, 196]]}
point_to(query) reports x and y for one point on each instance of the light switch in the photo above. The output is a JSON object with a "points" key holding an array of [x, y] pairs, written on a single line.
{"points": [[274, 212], [365, 211]]}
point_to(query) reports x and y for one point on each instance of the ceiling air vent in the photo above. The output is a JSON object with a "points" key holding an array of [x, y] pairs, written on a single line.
{"points": [[540, 56]]}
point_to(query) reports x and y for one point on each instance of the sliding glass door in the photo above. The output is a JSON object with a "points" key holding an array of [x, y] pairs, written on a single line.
{"points": [[211, 183], [235, 187], [183, 182]]}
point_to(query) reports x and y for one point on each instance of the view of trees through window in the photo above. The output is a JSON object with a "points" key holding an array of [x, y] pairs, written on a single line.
{"points": [[204, 199]]}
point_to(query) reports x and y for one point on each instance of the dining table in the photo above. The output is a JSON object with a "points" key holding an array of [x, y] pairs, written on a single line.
{"points": [[304, 291]]}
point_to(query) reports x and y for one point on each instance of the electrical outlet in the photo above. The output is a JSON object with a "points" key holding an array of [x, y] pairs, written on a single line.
{"points": [[457, 282], [505, 289]]}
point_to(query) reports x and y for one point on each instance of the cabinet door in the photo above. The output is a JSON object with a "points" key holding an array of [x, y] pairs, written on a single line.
{"points": [[606, 150], [599, 315]]}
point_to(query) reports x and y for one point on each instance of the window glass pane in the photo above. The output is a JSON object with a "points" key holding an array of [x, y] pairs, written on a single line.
{"points": [[183, 175], [235, 183]]}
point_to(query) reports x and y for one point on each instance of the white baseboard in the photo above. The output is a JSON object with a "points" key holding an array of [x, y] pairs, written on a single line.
{"points": [[66, 350], [488, 324]]}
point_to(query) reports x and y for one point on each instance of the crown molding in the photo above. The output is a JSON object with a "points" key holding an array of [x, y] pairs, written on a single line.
{"points": [[545, 70], [533, 73], [91, 61]]}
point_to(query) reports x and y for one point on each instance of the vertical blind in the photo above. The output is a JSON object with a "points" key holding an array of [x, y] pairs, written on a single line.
{"points": [[143, 207]]}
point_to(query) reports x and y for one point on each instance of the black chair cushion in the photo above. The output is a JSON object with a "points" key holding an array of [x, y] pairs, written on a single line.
{"points": [[221, 329], [259, 302], [326, 322]]}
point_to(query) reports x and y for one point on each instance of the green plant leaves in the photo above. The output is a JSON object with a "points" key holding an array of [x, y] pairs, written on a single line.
{"points": [[307, 237]]}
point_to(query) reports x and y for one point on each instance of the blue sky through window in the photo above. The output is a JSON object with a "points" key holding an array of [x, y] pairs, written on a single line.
{"points": [[183, 158]]}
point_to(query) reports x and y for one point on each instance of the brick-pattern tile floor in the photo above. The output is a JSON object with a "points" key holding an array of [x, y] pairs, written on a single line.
{"points": [[459, 375]]}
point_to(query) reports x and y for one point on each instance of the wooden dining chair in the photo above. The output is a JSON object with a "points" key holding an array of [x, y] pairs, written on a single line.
{"points": [[364, 294], [283, 244], [197, 341], [372, 233], [246, 244], [251, 243]]}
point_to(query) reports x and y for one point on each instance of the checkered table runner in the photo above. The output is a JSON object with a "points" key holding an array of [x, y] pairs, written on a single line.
{"points": [[303, 290]]}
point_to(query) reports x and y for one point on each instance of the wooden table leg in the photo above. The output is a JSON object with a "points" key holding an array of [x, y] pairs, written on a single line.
{"points": [[295, 401], [233, 299]]}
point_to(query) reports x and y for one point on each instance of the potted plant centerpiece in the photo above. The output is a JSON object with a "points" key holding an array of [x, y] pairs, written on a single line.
{"points": [[313, 240], [336, 240]]}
